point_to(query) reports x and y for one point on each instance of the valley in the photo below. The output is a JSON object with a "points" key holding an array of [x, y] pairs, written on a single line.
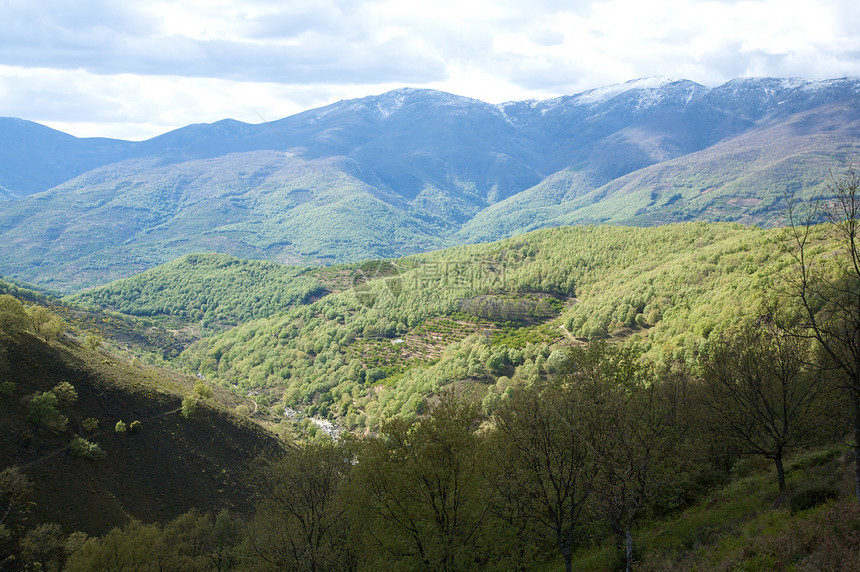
{"points": [[598, 332]]}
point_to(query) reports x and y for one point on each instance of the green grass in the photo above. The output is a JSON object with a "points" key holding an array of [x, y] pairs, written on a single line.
{"points": [[747, 525]]}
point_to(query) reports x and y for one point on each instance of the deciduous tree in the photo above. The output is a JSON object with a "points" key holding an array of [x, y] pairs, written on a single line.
{"points": [[819, 295], [301, 521], [424, 495], [767, 392], [545, 460]]}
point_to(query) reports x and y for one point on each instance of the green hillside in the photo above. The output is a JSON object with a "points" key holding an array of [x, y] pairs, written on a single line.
{"points": [[212, 290], [489, 314], [743, 179], [470, 379]]}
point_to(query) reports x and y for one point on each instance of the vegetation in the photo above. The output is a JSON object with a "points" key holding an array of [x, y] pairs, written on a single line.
{"points": [[213, 290], [769, 394], [375, 352], [589, 398], [80, 447], [822, 286], [607, 445], [67, 476]]}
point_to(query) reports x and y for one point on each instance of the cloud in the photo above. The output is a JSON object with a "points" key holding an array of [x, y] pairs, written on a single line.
{"points": [[156, 64], [326, 45], [129, 106]]}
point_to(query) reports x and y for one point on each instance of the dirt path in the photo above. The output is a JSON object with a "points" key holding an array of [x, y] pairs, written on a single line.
{"points": [[567, 333]]}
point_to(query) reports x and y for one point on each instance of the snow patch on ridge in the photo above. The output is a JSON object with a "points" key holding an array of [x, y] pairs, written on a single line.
{"points": [[603, 94]]}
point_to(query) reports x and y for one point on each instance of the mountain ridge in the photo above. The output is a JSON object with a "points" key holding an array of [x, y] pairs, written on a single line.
{"points": [[411, 170]]}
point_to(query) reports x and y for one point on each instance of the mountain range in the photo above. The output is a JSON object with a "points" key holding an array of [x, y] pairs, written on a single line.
{"points": [[414, 170]]}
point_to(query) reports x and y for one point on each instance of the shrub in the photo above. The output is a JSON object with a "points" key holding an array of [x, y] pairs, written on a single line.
{"points": [[44, 410], [65, 393], [189, 406], [751, 465], [202, 390], [120, 427], [813, 459], [90, 424], [134, 427], [7, 388], [812, 494], [93, 341], [80, 447]]}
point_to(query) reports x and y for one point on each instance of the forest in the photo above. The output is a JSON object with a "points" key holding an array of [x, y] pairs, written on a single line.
{"points": [[670, 398]]}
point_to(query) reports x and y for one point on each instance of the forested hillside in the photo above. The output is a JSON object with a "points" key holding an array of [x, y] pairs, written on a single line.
{"points": [[495, 314], [214, 290], [443, 405]]}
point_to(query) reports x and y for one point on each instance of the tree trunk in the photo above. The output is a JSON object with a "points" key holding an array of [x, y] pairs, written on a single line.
{"points": [[780, 471], [855, 404], [566, 554], [628, 548]]}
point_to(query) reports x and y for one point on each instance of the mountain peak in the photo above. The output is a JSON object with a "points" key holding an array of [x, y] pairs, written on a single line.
{"points": [[384, 105], [605, 93]]}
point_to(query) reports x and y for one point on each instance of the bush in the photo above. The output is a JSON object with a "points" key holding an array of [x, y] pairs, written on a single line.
{"points": [[202, 390], [90, 424], [80, 447], [189, 406], [748, 466], [7, 388], [65, 392], [134, 427], [44, 410], [812, 494], [93, 341], [120, 427]]}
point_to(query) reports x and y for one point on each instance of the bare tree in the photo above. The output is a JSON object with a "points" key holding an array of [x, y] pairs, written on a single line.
{"points": [[819, 296]]}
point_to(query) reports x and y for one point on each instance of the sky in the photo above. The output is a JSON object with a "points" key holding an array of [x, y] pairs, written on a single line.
{"points": [[136, 69]]}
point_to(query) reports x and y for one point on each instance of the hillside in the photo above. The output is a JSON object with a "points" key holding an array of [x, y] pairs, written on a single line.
{"points": [[154, 471], [480, 316], [743, 178], [516, 328], [213, 290], [415, 170]]}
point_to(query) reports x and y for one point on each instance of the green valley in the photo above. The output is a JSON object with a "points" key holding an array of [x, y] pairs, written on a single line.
{"points": [[318, 400]]}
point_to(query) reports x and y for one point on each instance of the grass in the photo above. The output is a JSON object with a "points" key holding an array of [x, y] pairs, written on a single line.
{"points": [[748, 525]]}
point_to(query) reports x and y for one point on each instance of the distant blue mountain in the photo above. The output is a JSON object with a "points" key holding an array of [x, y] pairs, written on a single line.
{"points": [[414, 169]]}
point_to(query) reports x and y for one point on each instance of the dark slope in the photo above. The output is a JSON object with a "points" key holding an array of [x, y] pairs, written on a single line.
{"points": [[168, 466]]}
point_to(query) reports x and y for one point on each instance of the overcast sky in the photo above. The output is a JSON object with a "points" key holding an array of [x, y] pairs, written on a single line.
{"points": [[137, 69]]}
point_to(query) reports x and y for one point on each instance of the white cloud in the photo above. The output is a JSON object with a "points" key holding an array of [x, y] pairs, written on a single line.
{"points": [[145, 67]]}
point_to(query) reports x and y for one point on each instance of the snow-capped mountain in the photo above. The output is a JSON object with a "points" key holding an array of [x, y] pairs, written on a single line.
{"points": [[414, 169]]}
